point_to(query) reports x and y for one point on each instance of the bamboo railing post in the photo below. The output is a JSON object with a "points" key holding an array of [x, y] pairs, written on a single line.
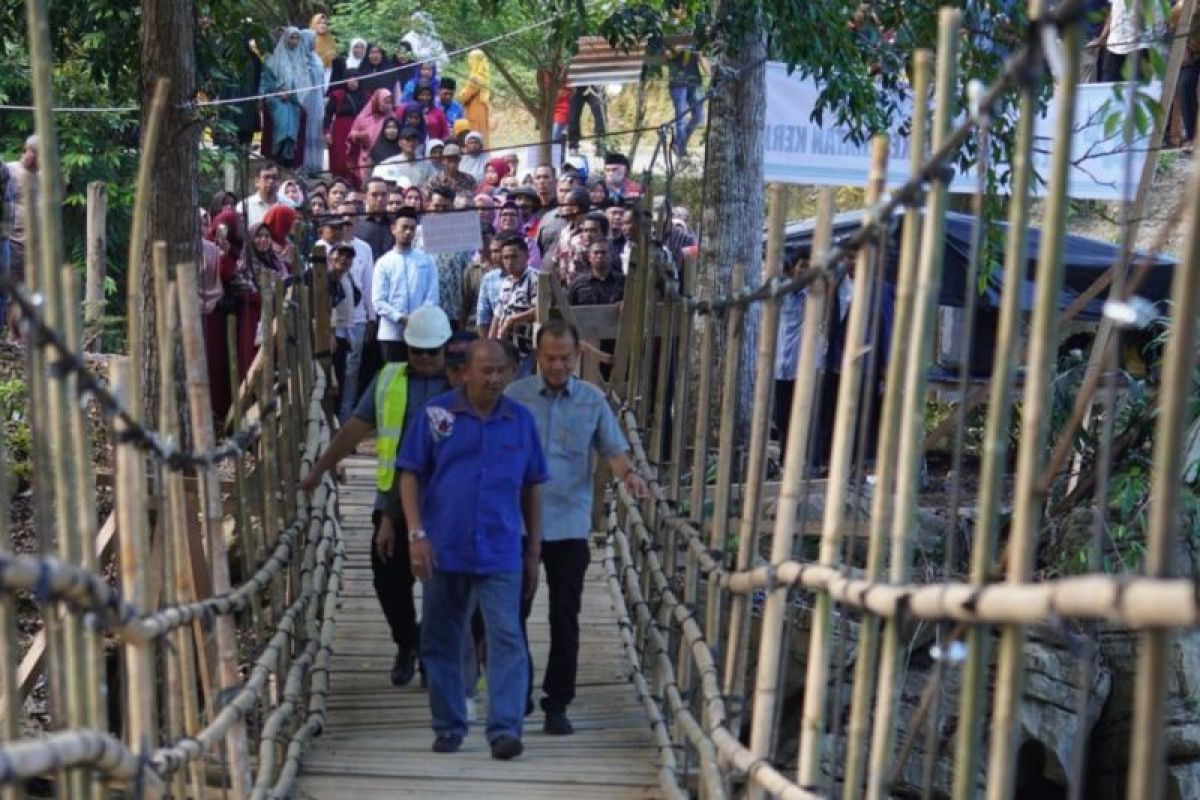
{"points": [[691, 583], [291, 380], [1035, 417], [995, 450], [203, 440], [910, 444], [10, 705], [726, 458], [84, 506], [663, 339], [135, 331], [812, 720], [188, 641], [683, 372], [134, 543], [760, 421], [246, 538], [770, 651], [882, 499], [78, 675], [1147, 757], [97, 257]]}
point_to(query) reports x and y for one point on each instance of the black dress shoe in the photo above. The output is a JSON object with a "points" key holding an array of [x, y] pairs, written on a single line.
{"points": [[557, 724], [447, 743], [506, 748], [404, 667]]}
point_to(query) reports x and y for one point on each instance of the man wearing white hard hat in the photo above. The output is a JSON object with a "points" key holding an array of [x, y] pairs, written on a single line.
{"points": [[388, 406]]}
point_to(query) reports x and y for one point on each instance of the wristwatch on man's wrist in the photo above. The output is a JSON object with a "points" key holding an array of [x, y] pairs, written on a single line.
{"points": [[415, 535]]}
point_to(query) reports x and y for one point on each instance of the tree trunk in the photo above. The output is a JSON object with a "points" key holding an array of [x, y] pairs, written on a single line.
{"points": [[733, 212], [169, 51]]}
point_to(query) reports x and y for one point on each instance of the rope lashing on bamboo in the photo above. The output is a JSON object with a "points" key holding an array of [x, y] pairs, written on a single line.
{"points": [[67, 362], [316, 606], [95, 750], [728, 746], [1125, 600]]}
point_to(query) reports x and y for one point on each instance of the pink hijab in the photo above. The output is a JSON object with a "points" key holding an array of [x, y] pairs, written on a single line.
{"points": [[369, 122]]}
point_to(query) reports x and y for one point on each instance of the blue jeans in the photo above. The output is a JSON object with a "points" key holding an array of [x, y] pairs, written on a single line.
{"points": [[447, 606], [689, 114], [358, 333]]}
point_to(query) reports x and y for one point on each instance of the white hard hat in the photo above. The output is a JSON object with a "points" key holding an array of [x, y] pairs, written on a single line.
{"points": [[428, 328]]}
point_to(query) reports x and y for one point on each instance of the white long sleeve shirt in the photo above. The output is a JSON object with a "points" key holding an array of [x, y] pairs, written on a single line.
{"points": [[362, 270], [402, 283]]}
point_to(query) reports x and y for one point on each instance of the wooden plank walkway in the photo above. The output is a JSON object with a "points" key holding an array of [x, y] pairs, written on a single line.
{"points": [[377, 741]]}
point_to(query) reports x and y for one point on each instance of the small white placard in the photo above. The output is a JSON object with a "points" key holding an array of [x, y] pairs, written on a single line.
{"points": [[451, 232]]}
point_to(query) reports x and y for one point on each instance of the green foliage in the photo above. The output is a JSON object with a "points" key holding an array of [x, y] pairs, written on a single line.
{"points": [[14, 403]]}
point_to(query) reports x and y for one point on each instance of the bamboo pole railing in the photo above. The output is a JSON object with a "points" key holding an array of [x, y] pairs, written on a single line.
{"points": [[675, 584], [185, 706]]}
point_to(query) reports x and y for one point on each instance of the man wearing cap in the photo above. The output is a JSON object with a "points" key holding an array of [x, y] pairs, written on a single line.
{"points": [[406, 165], [471, 465], [573, 419], [474, 160], [450, 176], [405, 279], [450, 107], [616, 178], [387, 409]]}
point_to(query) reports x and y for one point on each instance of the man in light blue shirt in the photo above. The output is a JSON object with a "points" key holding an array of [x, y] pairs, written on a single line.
{"points": [[573, 418], [404, 280]]}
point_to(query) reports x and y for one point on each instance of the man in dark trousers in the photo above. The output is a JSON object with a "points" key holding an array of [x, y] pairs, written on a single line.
{"points": [[387, 409], [573, 418], [471, 466]]}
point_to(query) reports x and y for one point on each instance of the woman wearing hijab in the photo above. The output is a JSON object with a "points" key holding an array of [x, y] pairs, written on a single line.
{"points": [[346, 101], [288, 77], [325, 45], [347, 63], [280, 220], [426, 76], [493, 172], [476, 94], [405, 65], [375, 72], [314, 108], [223, 250], [388, 143], [365, 132], [413, 116], [260, 255], [424, 40], [221, 201]]}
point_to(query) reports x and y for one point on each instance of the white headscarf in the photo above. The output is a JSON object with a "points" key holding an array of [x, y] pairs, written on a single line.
{"points": [[424, 40], [290, 65], [351, 61]]}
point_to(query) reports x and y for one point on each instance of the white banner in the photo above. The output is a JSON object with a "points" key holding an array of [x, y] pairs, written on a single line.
{"points": [[797, 150], [451, 232]]}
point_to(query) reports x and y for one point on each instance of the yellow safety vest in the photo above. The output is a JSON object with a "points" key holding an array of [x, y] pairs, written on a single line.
{"points": [[391, 400]]}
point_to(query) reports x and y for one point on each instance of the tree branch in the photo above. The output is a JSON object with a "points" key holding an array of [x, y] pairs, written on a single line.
{"points": [[518, 88]]}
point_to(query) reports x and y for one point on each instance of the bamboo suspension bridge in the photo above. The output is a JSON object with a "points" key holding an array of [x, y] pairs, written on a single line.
{"points": [[239, 652]]}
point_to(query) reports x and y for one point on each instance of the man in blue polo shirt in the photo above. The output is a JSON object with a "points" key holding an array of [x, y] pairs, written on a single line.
{"points": [[573, 419], [471, 465]]}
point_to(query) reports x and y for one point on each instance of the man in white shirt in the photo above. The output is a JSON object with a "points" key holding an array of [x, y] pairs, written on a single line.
{"points": [[362, 317], [256, 205], [404, 280], [1124, 37], [406, 166]]}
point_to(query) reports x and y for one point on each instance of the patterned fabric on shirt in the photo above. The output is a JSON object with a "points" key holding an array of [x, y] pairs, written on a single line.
{"points": [[451, 267], [518, 295]]}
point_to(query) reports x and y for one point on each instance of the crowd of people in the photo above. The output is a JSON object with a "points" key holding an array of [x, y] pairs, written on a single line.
{"points": [[485, 469]]}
